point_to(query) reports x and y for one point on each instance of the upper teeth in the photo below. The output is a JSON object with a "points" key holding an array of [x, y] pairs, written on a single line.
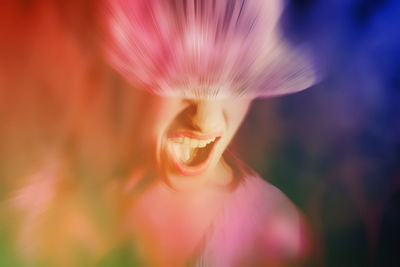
{"points": [[185, 148], [193, 143]]}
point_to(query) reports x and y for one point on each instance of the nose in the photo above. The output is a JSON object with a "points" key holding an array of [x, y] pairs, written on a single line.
{"points": [[208, 116]]}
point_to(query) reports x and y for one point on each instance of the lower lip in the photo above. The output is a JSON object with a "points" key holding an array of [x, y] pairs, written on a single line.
{"points": [[191, 170]]}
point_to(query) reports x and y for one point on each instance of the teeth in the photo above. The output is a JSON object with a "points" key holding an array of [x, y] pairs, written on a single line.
{"points": [[202, 143], [185, 147], [211, 140], [177, 149], [186, 140], [192, 142], [186, 153], [183, 152]]}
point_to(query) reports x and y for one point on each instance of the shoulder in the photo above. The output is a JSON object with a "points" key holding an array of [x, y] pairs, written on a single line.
{"points": [[259, 226], [281, 232]]}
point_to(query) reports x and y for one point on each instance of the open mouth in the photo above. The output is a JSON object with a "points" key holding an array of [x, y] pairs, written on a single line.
{"points": [[192, 155]]}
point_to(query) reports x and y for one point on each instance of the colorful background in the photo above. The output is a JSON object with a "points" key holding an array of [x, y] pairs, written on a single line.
{"points": [[334, 149]]}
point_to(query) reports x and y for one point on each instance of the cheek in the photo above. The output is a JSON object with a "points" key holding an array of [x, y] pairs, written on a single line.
{"points": [[159, 113], [235, 116], [150, 125], [163, 116]]}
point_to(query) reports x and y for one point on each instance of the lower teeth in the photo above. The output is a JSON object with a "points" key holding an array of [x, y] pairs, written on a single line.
{"points": [[184, 153], [189, 155]]}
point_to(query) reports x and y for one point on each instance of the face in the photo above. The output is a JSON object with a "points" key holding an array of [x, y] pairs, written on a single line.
{"points": [[190, 136]]}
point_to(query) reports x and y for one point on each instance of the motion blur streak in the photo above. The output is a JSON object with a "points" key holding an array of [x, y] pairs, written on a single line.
{"points": [[206, 49]]}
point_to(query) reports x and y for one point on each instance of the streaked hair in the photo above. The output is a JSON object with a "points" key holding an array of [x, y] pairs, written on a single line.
{"points": [[205, 48]]}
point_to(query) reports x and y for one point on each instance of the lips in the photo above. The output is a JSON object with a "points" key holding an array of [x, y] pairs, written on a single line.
{"points": [[191, 153]]}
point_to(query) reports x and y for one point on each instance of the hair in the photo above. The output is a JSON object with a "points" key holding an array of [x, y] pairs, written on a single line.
{"points": [[205, 48]]}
